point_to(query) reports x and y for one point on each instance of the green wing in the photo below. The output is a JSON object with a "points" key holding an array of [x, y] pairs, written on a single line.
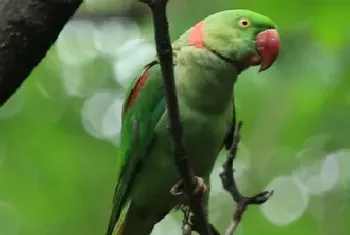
{"points": [[138, 124]]}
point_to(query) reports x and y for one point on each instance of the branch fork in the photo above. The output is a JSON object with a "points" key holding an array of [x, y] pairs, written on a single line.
{"points": [[230, 186]]}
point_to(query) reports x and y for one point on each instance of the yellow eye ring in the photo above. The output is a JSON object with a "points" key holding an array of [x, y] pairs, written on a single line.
{"points": [[244, 23]]}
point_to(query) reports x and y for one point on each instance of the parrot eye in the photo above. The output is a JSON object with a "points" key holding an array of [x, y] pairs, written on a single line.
{"points": [[244, 23]]}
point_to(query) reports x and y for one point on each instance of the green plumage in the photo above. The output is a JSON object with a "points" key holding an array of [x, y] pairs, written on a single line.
{"points": [[204, 80]]}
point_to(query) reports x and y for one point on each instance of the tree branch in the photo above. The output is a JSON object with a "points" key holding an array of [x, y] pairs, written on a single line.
{"points": [[229, 184], [27, 31], [165, 56]]}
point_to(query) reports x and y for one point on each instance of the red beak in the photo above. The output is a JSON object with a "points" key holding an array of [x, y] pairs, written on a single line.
{"points": [[268, 47]]}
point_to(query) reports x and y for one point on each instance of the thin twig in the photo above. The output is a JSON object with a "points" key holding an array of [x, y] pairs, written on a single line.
{"points": [[229, 184], [164, 52]]}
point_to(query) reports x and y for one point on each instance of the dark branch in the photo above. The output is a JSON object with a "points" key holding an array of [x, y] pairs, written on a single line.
{"points": [[27, 31], [229, 184], [165, 56]]}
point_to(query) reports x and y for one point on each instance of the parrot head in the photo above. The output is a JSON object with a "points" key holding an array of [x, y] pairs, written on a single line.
{"points": [[242, 37]]}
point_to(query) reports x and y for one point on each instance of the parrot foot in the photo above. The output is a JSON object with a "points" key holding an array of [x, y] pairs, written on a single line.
{"points": [[200, 189]]}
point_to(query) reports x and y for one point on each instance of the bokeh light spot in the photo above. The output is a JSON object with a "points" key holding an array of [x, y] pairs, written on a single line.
{"points": [[101, 114], [343, 158], [83, 80], [75, 44], [318, 176], [131, 58], [114, 33], [288, 202]]}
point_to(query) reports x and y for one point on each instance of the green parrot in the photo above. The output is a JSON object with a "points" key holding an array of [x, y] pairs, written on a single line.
{"points": [[207, 61]]}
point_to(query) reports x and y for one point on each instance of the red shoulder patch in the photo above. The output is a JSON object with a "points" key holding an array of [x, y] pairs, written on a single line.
{"points": [[135, 91], [196, 37]]}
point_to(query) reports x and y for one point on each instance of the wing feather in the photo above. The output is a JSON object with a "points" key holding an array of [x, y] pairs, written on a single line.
{"points": [[142, 109]]}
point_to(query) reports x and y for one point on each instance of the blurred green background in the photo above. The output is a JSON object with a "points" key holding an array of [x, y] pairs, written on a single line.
{"points": [[59, 133]]}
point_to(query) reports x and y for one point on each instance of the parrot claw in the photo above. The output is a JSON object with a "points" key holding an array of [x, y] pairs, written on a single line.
{"points": [[200, 189], [176, 190]]}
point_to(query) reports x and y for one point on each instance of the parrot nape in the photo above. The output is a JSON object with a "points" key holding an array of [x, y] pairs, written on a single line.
{"points": [[207, 61]]}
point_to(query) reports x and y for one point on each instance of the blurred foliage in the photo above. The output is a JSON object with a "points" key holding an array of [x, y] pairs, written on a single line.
{"points": [[59, 133]]}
